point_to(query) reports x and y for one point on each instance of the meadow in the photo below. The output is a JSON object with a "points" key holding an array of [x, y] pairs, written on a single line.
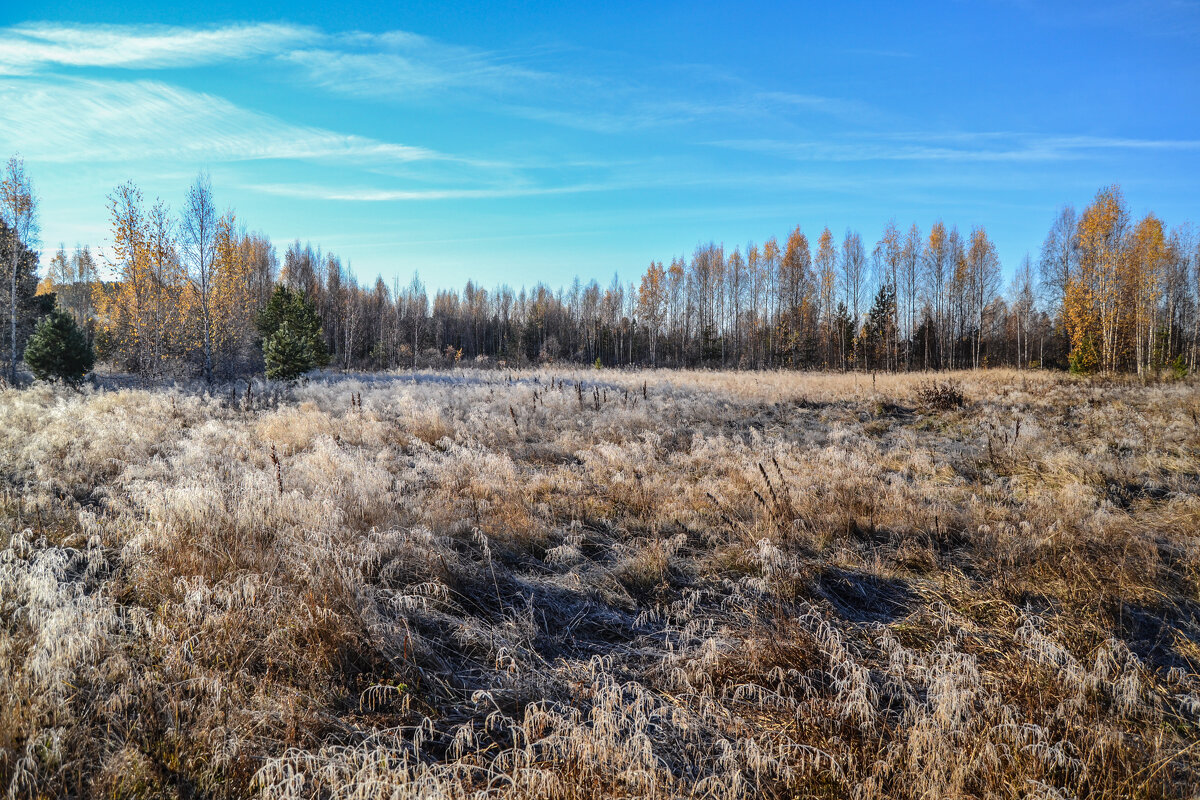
{"points": [[603, 584]]}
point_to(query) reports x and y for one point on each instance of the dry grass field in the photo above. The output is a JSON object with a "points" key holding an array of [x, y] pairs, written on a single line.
{"points": [[599, 584]]}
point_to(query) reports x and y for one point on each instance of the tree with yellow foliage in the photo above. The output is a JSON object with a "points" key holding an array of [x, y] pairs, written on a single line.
{"points": [[795, 279], [232, 303], [1082, 324], [770, 268], [141, 316], [1096, 307], [960, 297], [652, 302], [125, 308], [1145, 268], [826, 268]]}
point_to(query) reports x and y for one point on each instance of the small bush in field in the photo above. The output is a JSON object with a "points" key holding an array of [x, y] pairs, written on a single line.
{"points": [[941, 395]]}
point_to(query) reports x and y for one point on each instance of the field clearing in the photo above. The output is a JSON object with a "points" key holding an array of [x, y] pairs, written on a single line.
{"points": [[599, 584]]}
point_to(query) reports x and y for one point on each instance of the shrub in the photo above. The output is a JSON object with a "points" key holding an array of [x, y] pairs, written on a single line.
{"points": [[58, 350], [941, 396], [1083, 359]]}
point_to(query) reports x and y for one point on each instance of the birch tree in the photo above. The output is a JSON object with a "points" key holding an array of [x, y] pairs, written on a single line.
{"points": [[826, 267], [199, 237], [983, 271], [18, 212]]}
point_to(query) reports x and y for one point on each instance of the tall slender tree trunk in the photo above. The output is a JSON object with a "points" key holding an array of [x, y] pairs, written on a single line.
{"points": [[208, 359], [1195, 338], [12, 312]]}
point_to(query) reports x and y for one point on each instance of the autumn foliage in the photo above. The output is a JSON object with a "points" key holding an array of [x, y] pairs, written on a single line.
{"points": [[159, 316], [1123, 286], [1105, 294]]}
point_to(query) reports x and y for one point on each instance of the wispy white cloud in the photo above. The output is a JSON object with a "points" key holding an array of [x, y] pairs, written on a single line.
{"points": [[112, 121], [393, 63], [849, 110], [962, 147], [639, 179], [399, 64], [367, 194], [637, 110], [28, 49]]}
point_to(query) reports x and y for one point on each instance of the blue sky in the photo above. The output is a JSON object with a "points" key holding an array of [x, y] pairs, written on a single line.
{"points": [[542, 140]]}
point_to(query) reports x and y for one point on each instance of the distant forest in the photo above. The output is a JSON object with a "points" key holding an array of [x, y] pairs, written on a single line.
{"points": [[1106, 293]]}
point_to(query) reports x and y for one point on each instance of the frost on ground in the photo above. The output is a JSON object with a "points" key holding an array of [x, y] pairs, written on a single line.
{"points": [[601, 585]]}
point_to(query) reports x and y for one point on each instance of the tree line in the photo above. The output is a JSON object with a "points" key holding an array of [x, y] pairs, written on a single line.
{"points": [[180, 294]]}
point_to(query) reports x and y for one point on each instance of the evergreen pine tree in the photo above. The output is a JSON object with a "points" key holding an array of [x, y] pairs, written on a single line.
{"points": [[275, 311], [286, 354], [58, 350], [879, 332], [292, 339]]}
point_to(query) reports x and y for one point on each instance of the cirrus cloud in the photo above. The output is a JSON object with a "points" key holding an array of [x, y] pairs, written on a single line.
{"points": [[28, 49], [107, 121]]}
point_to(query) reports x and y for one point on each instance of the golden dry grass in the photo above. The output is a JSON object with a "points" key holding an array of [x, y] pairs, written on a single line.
{"points": [[562, 584]]}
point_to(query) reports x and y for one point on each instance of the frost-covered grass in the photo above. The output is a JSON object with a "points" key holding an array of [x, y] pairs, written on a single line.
{"points": [[562, 584]]}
